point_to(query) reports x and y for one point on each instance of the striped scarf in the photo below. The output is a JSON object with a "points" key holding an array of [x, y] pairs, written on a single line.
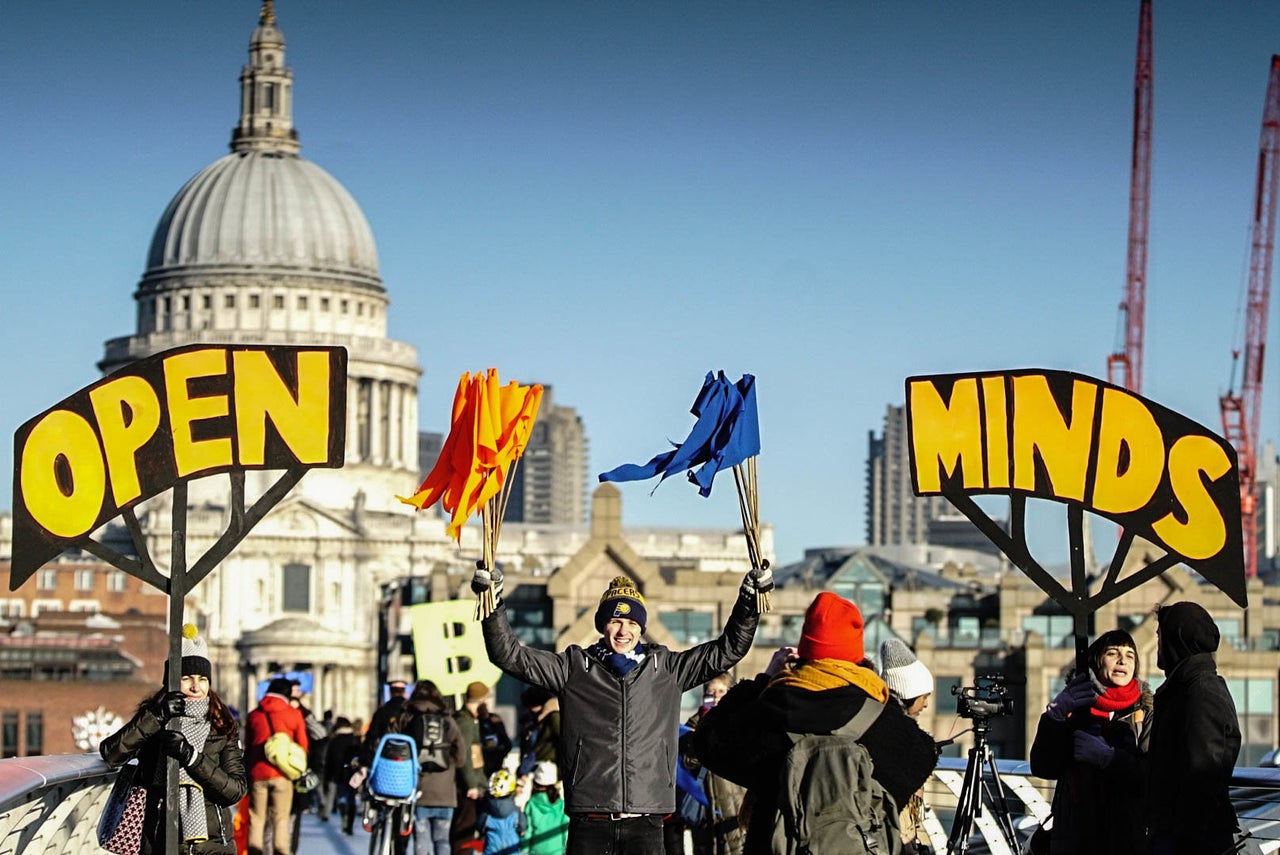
{"points": [[193, 823]]}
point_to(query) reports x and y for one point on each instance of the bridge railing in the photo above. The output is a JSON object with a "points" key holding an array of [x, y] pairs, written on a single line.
{"points": [[52, 805]]}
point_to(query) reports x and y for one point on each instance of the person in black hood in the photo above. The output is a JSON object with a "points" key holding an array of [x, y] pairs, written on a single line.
{"points": [[815, 688], [1195, 739]]}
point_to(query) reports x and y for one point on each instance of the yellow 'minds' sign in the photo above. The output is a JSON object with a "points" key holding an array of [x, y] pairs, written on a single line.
{"points": [[172, 417], [1070, 438]]}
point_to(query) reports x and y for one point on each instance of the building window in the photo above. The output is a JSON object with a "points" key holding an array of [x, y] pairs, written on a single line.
{"points": [[8, 734], [166, 303], [359, 308], [277, 301], [344, 306], [254, 301], [11, 608], [302, 301], [324, 304], [206, 301], [1058, 631], [116, 581], [1255, 703], [35, 734], [229, 301], [186, 302], [269, 96], [47, 580], [84, 580], [296, 593], [689, 627]]}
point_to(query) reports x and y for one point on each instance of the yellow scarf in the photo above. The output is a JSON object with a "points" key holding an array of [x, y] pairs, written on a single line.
{"points": [[818, 674]]}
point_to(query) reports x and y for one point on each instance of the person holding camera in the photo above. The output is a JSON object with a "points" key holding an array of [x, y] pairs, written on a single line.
{"points": [[1091, 740], [818, 687], [910, 685]]}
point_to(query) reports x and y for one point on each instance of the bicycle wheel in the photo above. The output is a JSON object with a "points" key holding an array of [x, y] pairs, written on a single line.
{"points": [[380, 837]]}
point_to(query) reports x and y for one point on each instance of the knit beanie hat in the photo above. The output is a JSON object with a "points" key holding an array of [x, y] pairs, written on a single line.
{"points": [[545, 774], [621, 600], [906, 676], [832, 630], [195, 655]]}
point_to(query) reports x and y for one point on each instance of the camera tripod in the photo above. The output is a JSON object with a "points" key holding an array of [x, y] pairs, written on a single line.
{"points": [[969, 802]]}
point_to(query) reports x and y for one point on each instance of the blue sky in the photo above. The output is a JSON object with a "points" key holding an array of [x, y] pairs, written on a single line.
{"points": [[615, 198]]}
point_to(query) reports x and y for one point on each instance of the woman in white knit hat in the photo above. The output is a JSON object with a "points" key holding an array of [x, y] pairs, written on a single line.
{"points": [[911, 686], [211, 774]]}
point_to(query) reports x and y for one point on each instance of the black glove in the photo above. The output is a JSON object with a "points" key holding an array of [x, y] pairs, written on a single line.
{"points": [[174, 744], [759, 580], [481, 580], [1091, 750], [1079, 693], [169, 705]]}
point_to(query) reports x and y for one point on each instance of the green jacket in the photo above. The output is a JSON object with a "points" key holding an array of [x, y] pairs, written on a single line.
{"points": [[546, 827], [471, 767]]}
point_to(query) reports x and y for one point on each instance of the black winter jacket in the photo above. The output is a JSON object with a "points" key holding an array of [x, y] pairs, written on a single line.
{"points": [[219, 770], [744, 738], [1195, 741], [1096, 811], [618, 735]]}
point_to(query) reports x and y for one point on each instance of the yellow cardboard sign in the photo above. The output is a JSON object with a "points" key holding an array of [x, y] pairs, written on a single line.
{"points": [[175, 416], [1070, 438], [449, 646]]}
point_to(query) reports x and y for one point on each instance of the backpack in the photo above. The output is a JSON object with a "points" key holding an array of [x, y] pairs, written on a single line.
{"points": [[282, 752], [433, 742], [828, 802]]}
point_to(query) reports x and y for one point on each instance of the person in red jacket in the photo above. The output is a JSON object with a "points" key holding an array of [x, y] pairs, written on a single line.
{"points": [[271, 793]]}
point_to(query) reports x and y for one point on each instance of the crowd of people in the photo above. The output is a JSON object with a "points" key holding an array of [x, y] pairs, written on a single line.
{"points": [[600, 764]]}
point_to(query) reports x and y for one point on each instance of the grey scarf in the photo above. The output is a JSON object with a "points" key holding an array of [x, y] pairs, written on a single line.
{"points": [[193, 825]]}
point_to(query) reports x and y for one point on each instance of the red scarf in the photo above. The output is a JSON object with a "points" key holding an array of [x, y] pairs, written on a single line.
{"points": [[1117, 698]]}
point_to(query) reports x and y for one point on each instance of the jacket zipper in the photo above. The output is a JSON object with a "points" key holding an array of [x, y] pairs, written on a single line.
{"points": [[626, 802]]}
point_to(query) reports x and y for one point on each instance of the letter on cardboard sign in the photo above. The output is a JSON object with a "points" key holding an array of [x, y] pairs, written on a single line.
{"points": [[1204, 533], [63, 434], [121, 441], [1039, 426], [192, 455], [261, 394], [946, 435]]}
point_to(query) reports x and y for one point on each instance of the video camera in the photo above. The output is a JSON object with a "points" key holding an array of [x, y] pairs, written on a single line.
{"points": [[987, 698]]}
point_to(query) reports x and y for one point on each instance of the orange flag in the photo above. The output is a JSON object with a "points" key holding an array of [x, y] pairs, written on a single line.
{"points": [[488, 431]]}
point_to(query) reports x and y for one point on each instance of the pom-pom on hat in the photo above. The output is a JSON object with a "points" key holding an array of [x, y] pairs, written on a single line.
{"points": [[195, 655], [832, 630], [545, 774], [621, 600], [904, 674]]}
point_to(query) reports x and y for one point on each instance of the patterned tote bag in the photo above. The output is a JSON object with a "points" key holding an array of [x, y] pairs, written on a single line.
{"points": [[120, 829]]}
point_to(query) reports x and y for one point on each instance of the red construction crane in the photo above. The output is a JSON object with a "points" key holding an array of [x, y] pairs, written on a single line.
{"points": [[1242, 413], [1124, 368]]}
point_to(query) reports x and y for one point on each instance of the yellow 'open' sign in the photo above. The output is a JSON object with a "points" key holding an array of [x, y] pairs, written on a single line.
{"points": [[172, 417]]}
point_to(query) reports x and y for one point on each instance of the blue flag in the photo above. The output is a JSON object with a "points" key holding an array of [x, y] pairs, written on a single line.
{"points": [[726, 433]]}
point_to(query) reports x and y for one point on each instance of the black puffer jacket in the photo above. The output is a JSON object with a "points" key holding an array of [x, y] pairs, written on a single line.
{"points": [[618, 735], [744, 738], [1096, 811], [219, 770]]}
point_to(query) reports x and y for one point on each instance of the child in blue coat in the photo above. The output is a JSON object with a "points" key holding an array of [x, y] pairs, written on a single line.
{"points": [[498, 819]]}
